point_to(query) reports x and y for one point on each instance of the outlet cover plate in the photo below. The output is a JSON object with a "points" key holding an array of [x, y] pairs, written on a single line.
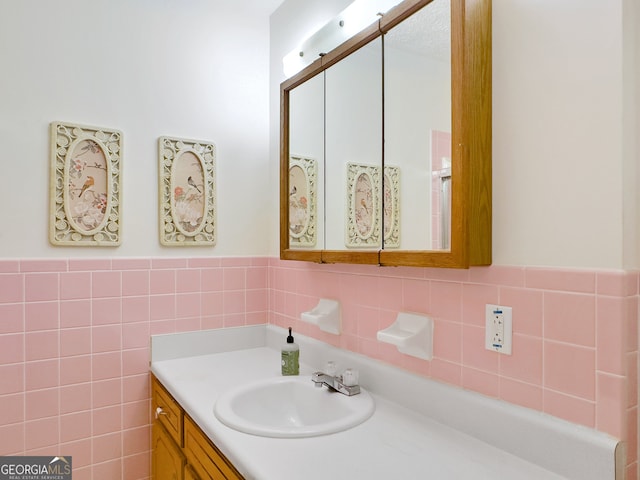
{"points": [[498, 329]]}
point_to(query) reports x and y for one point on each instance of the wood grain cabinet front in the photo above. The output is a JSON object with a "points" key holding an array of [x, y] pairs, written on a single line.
{"points": [[167, 412], [168, 461], [180, 450], [204, 456], [190, 473]]}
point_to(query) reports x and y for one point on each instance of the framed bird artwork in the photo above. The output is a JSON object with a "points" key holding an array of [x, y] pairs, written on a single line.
{"points": [[303, 173], [373, 214], [85, 185], [363, 217], [187, 192], [391, 206]]}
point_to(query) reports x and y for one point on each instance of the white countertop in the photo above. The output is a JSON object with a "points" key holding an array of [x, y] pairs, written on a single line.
{"points": [[396, 442]]}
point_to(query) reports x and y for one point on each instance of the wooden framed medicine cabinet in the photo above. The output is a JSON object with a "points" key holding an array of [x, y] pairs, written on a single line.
{"points": [[406, 105]]}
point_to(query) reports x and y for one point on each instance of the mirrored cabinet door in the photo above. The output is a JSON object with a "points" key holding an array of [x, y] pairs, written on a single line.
{"points": [[306, 165], [417, 126], [353, 136]]}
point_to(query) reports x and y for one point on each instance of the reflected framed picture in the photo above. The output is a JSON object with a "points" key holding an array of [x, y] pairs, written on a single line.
{"points": [[303, 173], [85, 186], [363, 200], [373, 201], [391, 207], [187, 192]]}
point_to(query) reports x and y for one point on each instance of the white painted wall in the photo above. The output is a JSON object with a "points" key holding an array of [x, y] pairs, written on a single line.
{"points": [[565, 126], [565, 180], [196, 69], [631, 92], [557, 132]]}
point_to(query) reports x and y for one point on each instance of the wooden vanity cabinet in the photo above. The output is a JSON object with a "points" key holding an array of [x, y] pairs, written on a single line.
{"points": [[168, 461], [180, 450], [204, 457], [190, 474]]}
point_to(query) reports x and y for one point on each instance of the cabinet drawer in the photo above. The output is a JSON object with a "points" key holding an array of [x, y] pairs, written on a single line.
{"points": [[167, 411], [204, 457]]}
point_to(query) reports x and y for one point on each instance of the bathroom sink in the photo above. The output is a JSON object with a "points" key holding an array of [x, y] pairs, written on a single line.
{"points": [[291, 407]]}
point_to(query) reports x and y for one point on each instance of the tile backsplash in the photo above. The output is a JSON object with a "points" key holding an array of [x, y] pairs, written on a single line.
{"points": [[74, 348], [74, 338], [575, 332]]}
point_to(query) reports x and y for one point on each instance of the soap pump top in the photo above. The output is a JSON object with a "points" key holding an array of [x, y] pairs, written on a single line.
{"points": [[290, 337]]}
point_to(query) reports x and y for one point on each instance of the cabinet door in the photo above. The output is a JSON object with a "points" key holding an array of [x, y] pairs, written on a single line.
{"points": [[204, 457], [167, 460], [190, 474]]}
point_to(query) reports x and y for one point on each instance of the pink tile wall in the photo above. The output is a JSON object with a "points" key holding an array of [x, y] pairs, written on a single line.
{"points": [[74, 338], [74, 349], [575, 332]]}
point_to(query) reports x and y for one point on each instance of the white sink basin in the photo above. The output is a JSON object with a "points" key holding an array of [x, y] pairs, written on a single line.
{"points": [[288, 407]]}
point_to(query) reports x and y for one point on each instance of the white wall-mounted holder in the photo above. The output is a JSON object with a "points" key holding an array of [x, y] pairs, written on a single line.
{"points": [[412, 333], [326, 315]]}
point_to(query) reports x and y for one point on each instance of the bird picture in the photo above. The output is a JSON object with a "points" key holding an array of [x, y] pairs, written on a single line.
{"points": [[193, 184], [89, 182]]}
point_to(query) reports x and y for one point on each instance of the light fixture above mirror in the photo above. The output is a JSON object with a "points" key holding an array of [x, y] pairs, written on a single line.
{"points": [[357, 16]]}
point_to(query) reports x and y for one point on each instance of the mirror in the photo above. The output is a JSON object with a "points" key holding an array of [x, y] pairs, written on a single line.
{"points": [[353, 142], [306, 164], [386, 143], [417, 124]]}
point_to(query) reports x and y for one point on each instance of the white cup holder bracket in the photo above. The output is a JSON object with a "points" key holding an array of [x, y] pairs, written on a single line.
{"points": [[412, 333]]}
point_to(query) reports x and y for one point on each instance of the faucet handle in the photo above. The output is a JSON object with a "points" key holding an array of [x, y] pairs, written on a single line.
{"points": [[331, 368], [350, 377]]}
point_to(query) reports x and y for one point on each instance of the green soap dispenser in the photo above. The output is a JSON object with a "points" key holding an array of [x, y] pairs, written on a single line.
{"points": [[290, 357]]}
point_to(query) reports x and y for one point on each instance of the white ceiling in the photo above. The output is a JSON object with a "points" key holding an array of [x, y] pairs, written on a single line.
{"points": [[265, 7], [426, 32]]}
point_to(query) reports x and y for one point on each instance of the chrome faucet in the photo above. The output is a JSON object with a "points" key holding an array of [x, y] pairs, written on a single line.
{"points": [[347, 383]]}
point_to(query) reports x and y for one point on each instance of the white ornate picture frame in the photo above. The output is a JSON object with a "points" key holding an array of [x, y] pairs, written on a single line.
{"points": [[391, 207], [85, 185], [369, 208], [363, 201], [187, 192], [303, 173]]}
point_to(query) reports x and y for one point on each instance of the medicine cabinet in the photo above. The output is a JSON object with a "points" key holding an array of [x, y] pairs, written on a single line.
{"points": [[386, 143]]}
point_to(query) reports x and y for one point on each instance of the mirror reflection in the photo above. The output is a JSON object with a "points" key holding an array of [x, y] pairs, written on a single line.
{"points": [[306, 164], [353, 162], [417, 123], [392, 94], [396, 142]]}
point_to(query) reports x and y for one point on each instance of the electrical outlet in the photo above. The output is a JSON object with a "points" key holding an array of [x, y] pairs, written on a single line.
{"points": [[498, 329]]}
